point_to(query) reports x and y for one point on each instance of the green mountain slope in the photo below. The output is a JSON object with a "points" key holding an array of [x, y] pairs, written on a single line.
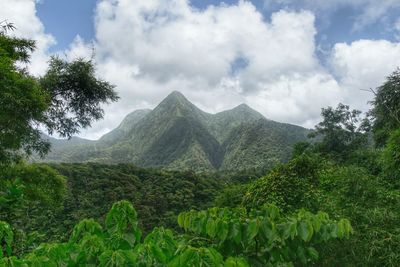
{"points": [[178, 135], [124, 128], [260, 144]]}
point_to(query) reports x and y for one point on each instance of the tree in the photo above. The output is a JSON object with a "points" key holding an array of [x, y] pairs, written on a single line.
{"points": [[65, 99], [386, 108], [342, 131]]}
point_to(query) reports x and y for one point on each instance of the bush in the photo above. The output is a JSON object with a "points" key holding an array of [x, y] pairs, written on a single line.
{"points": [[291, 186], [372, 207]]}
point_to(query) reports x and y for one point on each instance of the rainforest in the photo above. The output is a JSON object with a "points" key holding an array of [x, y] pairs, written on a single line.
{"points": [[177, 186]]}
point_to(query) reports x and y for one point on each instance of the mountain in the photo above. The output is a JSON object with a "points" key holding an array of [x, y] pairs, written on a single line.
{"points": [[178, 135]]}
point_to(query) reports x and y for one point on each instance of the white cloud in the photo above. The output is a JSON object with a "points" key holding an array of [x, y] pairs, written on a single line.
{"points": [[79, 49], [298, 98], [22, 13], [362, 65]]}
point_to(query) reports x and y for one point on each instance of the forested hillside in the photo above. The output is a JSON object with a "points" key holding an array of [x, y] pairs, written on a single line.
{"points": [[187, 138], [91, 189], [335, 202]]}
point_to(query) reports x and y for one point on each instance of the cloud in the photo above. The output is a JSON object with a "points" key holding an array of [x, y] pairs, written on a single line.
{"points": [[363, 64], [22, 13], [298, 98], [79, 49]]}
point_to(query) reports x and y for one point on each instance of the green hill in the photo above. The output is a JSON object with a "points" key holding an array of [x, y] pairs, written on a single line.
{"points": [[177, 134]]}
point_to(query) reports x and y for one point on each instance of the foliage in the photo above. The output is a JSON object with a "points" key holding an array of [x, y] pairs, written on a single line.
{"points": [[391, 158], [264, 237], [342, 131], [386, 108], [290, 186], [66, 98], [231, 195], [159, 197], [372, 206], [38, 182], [75, 96], [368, 158], [261, 238], [22, 101]]}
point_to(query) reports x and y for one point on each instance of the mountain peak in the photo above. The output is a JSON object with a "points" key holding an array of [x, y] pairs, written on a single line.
{"points": [[178, 104], [243, 106], [245, 110], [176, 95]]}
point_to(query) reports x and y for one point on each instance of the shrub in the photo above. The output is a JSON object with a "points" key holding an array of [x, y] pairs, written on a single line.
{"points": [[290, 186]]}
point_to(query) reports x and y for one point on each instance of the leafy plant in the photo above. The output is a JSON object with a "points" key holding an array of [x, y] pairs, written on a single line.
{"points": [[216, 237], [264, 237]]}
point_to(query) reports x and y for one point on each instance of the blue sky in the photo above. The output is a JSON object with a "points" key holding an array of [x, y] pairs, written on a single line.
{"points": [[285, 58]]}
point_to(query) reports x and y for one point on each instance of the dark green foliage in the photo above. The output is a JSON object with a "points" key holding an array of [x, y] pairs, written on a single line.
{"points": [[300, 148], [22, 101], [158, 195], [386, 108], [373, 207], [231, 195], [75, 94], [368, 158], [36, 183], [290, 186], [391, 158]]}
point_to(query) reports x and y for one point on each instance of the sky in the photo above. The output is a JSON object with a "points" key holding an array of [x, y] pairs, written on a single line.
{"points": [[285, 58]]}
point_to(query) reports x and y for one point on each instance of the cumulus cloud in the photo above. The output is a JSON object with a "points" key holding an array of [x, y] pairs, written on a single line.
{"points": [[22, 13], [362, 65]]}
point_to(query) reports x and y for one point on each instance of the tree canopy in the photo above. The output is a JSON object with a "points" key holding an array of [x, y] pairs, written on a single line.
{"points": [[386, 108], [66, 98], [341, 131]]}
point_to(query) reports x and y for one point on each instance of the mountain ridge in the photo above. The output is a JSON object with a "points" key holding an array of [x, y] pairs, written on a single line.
{"points": [[178, 135]]}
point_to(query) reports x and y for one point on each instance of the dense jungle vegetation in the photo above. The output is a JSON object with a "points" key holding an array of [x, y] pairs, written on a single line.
{"points": [[336, 202]]}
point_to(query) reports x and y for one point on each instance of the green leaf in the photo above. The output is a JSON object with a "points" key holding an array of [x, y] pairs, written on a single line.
{"points": [[236, 262], [305, 230], [211, 228], [222, 230], [158, 254], [252, 230], [313, 253], [181, 219]]}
